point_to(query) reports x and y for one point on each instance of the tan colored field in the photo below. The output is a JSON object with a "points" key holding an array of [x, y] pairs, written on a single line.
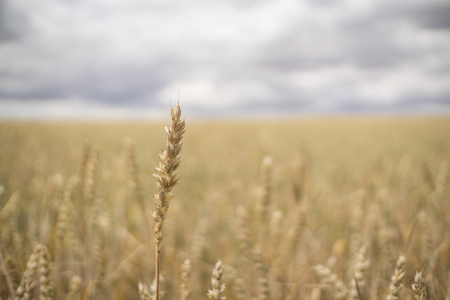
{"points": [[337, 202]]}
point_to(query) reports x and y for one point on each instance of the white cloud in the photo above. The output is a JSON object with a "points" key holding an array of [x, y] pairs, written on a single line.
{"points": [[74, 108]]}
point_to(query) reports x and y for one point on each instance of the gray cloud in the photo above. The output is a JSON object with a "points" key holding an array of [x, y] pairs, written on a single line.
{"points": [[432, 15], [13, 22], [228, 58]]}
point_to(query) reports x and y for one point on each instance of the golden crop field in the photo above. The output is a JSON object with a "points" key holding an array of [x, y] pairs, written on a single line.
{"points": [[317, 208]]}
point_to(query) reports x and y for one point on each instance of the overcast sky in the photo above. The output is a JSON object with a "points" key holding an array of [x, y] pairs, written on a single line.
{"points": [[130, 58]]}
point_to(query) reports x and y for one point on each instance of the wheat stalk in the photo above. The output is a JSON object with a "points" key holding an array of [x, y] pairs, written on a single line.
{"points": [[261, 266], [299, 173], [427, 239], [328, 277], [358, 282], [199, 241], [166, 180], [37, 274], [243, 234], [217, 283], [418, 286], [448, 285], [266, 188], [134, 169], [75, 288], [240, 289], [5, 271], [185, 291], [90, 176], [100, 245], [134, 177], [396, 280], [144, 292]]}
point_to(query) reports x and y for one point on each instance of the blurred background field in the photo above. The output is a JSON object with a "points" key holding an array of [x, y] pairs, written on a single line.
{"points": [[336, 185]]}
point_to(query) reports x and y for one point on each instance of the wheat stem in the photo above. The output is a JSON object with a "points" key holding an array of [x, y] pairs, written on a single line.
{"points": [[6, 273], [166, 180]]}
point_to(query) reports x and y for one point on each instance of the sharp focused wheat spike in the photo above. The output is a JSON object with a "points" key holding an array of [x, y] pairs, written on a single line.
{"points": [[217, 283], [418, 286], [166, 179], [396, 280]]}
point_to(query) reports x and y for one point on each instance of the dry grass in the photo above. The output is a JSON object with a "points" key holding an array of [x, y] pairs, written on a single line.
{"points": [[325, 217]]}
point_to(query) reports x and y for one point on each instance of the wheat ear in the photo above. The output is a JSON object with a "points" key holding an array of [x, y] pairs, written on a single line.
{"points": [[418, 286], [37, 274], [263, 284], [134, 177], [396, 280], [328, 277], [75, 288], [358, 281], [266, 188], [185, 290], [166, 180], [144, 292], [217, 283]]}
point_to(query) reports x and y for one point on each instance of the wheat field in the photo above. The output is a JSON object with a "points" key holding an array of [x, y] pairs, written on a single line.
{"points": [[317, 208]]}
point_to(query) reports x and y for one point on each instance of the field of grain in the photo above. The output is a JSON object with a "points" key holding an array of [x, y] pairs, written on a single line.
{"points": [[318, 208]]}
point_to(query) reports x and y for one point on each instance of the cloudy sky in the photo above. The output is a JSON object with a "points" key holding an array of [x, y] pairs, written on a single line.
{"points": [[100, 59]]}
